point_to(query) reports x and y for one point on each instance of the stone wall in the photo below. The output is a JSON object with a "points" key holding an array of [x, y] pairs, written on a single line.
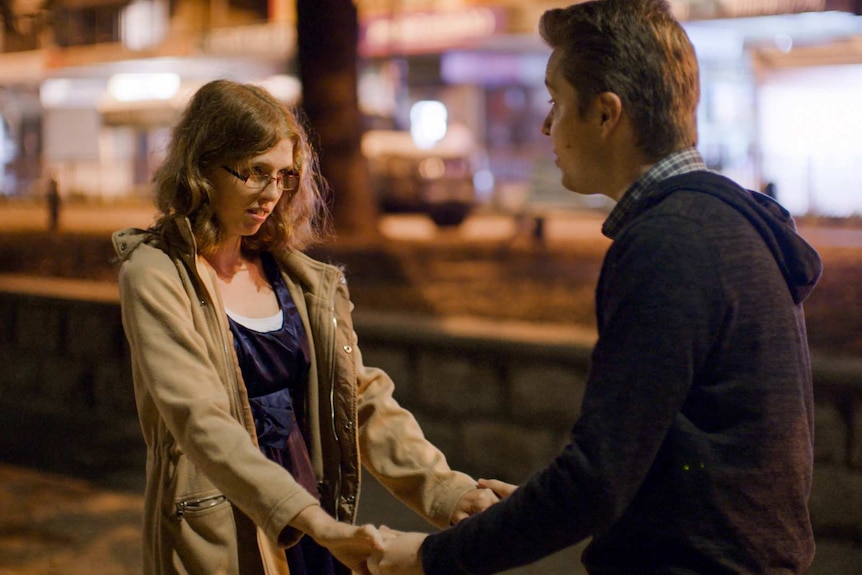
{"points": [[497, 398]]}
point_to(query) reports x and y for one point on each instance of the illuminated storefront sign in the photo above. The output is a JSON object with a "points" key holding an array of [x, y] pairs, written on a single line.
{"points": [[271, 39], [425, 32], [708, 9]]}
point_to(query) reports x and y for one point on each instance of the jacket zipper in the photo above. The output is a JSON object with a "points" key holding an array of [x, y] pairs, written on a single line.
{"points": [[199, 504], [337, 491], [207, 301]]}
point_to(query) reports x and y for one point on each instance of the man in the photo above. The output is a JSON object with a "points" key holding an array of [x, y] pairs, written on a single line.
{"points": [[693, 450]]}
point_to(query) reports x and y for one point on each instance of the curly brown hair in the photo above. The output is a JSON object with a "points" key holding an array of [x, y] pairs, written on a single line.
{"points": [[229, 123]]}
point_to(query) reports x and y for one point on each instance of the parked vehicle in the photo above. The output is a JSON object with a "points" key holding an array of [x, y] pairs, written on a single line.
{"points": [[437, 180]]}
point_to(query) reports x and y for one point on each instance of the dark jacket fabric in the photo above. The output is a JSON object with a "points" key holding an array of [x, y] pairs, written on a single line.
{"points": [[693, 452]]}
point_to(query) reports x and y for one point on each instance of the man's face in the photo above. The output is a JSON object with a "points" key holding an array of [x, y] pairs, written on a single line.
{"points": [[576, 139]]}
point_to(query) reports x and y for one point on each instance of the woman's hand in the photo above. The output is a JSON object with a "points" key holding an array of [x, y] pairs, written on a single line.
{"points": [[352, 545]]}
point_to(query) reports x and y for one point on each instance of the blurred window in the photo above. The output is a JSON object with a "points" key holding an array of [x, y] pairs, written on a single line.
{"points": [[86, 25]]}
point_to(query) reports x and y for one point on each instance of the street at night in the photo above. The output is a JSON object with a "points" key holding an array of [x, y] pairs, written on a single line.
{"points": [[607, 251]]}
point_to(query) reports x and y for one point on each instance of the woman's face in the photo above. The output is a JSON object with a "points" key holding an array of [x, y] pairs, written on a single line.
{"points": [[241, 210]]}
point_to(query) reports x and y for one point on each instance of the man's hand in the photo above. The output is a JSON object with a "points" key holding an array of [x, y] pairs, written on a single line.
{"points": [[500, 488], [472, 503], [400, 554]]}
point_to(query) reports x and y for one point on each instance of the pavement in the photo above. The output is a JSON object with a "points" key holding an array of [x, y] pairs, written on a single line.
{"points": [[54, 524], [71, 499]]}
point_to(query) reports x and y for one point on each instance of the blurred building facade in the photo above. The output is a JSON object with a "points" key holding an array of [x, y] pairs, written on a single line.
{"points": [[90, 88]]}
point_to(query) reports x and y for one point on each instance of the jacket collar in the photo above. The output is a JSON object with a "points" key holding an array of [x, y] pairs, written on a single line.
{"points": [[176, 238]]}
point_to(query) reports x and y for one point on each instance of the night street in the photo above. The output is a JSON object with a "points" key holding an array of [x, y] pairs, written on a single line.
{"points": [[356, 193]]}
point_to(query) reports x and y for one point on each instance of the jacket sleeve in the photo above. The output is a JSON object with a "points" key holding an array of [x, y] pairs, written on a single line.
{"points": [[186, 378], [394, 449]]}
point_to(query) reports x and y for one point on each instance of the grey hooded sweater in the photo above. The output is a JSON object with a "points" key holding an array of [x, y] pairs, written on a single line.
{"points": [[693, 450]]}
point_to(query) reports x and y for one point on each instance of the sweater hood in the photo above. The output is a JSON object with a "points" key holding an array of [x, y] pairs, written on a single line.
{"points": [[799, 261]]}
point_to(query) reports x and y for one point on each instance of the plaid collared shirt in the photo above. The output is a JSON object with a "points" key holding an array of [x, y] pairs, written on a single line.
{"points": [[682, 162]]}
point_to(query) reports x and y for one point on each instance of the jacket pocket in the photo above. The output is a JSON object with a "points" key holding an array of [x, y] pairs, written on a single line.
{"points": [[203, 534], [200, 506]]}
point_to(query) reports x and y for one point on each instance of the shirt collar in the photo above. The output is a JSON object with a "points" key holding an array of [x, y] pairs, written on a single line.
{"points": [[681, 162]]}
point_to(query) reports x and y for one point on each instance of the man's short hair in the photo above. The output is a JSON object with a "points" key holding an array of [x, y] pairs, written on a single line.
{"points": [[637, 50]]}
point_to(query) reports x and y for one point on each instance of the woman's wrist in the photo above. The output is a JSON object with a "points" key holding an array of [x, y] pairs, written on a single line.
{"points": [[313, 521]]}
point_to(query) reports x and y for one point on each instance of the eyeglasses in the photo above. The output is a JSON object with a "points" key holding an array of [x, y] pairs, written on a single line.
{"points": [[286, 182]]}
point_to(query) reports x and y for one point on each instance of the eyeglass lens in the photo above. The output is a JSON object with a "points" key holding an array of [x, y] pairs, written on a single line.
{"points": [[287, 182]]}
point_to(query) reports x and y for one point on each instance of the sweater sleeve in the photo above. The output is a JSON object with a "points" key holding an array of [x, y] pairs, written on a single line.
{"points": [[657, 301]]}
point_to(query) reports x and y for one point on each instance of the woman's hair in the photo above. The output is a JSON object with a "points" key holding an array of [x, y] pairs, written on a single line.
{"points": [[638, 51], [228, 123]]}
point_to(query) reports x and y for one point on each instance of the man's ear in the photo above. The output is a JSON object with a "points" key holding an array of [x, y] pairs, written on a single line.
{"points": [[610, 109]]}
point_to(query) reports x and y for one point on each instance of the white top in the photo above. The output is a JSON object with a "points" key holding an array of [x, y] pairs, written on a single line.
{"points": [[259, 324]]}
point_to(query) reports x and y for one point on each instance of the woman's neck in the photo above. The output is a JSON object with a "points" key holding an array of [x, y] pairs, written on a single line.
{"points": [[228, 260]]}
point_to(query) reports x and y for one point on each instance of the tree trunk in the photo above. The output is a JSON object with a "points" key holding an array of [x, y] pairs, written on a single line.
{"points": [[328, 36]]}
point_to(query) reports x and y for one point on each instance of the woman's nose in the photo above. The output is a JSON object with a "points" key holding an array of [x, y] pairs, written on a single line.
{"points": [[272, 190]]}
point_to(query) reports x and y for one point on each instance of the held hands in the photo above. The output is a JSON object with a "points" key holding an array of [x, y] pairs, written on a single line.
{"points": [[401, 550], [369, 551], [488, 492], [500, 488], [400, 554], [472, 503], [352, 545]]}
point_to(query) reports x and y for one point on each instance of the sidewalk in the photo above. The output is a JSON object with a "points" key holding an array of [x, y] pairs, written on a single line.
{"points": [[57, 525], [71, 499]]}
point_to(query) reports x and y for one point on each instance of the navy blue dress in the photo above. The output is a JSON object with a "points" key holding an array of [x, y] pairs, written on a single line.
{"points": [[275, 366]]}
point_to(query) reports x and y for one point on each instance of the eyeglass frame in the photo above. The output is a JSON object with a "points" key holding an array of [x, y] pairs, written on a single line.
{"points": [[287, 175]]}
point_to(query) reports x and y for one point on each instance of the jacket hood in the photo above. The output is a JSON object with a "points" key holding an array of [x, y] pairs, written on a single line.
{"points": [[799, 261], [127, 240], [174, 232]]}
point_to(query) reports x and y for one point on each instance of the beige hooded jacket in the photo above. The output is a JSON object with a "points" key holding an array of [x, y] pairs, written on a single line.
{"points": [[214, 503]]}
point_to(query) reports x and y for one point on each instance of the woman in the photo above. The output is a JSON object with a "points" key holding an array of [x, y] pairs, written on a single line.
{"points": [[250, 388]]}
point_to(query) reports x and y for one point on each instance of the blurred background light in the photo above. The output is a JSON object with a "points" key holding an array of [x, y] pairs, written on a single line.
{"points": [[428, 120], [136, 87], [286, 88], [70, 92], [144, 24], [432, 168]]}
